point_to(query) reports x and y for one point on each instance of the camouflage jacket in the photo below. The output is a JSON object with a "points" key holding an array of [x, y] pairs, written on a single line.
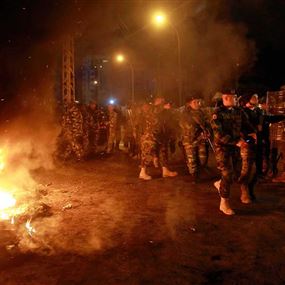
{"points": [[113, 120], [72, 122], [229, 126], [193, 124]]}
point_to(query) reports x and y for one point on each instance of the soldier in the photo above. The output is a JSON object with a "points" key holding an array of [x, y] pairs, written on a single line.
{"points": [[146, 140], [93, 129], [260, 121], [228, 124], [130, 134], [255, 116], [153, 140], [119, 124], [70, 142], [195, 132], [112, 127]]}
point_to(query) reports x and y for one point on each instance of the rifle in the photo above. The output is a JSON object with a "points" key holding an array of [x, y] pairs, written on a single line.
{"points": [[205, 132]]}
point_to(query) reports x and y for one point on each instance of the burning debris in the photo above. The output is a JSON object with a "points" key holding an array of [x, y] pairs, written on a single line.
{"points": [[19, 204]]}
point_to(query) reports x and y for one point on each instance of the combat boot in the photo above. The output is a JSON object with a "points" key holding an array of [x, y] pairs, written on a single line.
{"points": [[225, 207], [143, 175], [167, 173], [244, 197], [217, 184]]}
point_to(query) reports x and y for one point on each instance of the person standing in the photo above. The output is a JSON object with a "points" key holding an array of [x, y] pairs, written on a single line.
{"points": [[112, 127], [70, 141], [228, 124], [152, 139], [195, 132]]}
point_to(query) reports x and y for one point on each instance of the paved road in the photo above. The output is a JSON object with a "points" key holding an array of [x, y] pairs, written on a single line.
{"points": [[108, 227]]}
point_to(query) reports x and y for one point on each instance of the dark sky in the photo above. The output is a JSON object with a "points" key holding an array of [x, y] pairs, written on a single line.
{"points": [[31, 30]]}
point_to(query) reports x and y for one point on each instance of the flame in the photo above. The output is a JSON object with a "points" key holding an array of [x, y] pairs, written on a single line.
{"points": [[29, 228], [2, 160], [7, 202]]}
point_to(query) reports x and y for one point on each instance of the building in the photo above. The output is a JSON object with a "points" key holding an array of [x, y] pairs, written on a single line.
{"points": [[94, 79]]}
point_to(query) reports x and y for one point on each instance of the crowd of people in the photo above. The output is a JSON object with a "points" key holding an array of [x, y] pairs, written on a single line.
{"points": [[236, 131]]}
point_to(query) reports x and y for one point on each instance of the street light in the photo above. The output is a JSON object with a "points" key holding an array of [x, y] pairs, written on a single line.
{"points": [[160, 19], [121, 58]]}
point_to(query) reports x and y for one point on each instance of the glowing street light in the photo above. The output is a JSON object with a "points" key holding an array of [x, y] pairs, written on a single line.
{"points": [[121, 58], [160, 19]]}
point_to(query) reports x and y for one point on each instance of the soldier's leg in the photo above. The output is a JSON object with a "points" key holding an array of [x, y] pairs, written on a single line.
{"points": [[247, 166], [111, 140], [163, 156], [147, 147], [118, 137], [224, 164], [77, 148], [191, 158], [203, 154]]}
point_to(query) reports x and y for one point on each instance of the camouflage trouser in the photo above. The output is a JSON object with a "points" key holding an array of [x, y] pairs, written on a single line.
{"points": [[161, 152], [93, 141], [147, 147], [247, 154], [111, 139], [118, 136], [195, 155], [70, 147], [224, 158]]}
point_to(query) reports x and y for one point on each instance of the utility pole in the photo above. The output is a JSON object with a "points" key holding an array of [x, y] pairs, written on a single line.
{"points": [[68, 78]]}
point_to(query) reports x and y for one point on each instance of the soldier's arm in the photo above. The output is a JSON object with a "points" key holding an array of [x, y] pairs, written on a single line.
{"points": [[274, 118]]}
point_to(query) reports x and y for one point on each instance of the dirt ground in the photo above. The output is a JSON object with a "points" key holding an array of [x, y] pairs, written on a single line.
{"points": [[108, 227]]}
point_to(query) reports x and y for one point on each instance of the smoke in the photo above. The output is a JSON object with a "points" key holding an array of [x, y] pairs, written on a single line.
{"points": [[215, 46], [216, 49]]}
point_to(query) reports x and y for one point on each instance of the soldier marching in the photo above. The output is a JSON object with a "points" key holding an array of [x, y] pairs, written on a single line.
{"points": [[150, 131]]}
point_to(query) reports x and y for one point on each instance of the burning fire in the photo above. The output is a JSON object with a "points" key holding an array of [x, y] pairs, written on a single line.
{"points": [[29, 228], [8, 208], [2, 160], [7, 201]]}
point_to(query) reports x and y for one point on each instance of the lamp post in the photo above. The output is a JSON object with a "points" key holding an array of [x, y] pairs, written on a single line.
{"points": [[121, 58], [160, 19]]}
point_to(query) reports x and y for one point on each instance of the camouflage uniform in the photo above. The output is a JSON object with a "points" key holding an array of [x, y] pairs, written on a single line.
{"points": [[93, 129], [147, 139], [160, 128], [131, 131], [229, 126], [88, 130], [112, 129], [119, 124], [193, 126], [255, 116], [70, 142]]}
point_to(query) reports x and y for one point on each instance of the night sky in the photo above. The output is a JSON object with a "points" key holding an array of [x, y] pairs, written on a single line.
{"points": [[31, 33]]}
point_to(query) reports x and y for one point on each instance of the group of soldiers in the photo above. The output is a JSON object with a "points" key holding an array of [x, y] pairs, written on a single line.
{"points": [[237, 133]]}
